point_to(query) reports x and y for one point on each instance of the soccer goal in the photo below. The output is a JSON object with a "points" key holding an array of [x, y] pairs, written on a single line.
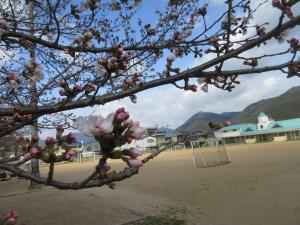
{"points": [[209, 153], [84, 155]]}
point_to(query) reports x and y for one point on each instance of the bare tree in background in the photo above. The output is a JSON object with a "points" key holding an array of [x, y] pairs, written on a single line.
{"points": [[94, 52]]}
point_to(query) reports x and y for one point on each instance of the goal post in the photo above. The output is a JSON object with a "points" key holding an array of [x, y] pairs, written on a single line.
{"points": [[209, 153]]}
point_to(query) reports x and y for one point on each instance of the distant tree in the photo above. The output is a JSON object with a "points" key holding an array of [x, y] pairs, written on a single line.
{"points": [[60, 55]]}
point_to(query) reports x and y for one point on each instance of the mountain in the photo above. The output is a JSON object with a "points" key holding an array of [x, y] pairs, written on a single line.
{"points": [[284, 106], [199, 121]]}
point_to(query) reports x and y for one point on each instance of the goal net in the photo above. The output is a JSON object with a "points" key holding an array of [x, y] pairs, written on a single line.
{"points": [[209, 153]]}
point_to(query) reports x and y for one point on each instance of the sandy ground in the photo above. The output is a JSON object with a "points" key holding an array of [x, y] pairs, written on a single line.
{"points": [[261, 186]]}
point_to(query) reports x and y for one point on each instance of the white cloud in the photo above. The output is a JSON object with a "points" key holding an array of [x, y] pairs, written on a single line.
{"points": [[169, 105]]}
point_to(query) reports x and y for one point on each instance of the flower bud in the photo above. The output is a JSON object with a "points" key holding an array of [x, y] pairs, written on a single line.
{"points": [[62, 83], [17, 107], [132, 153], [63, 92], [112, 185], [105, 168], [69, 155], [76, 88], [49, 141], [34, 152], [19, 139], [60, 129], [35, 138], [29, 117], [134, 163], [193, 88], [9, 218], [71, 138]]}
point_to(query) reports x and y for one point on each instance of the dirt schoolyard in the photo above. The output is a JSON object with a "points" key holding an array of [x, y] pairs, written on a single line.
{"points": [[260, 186]]}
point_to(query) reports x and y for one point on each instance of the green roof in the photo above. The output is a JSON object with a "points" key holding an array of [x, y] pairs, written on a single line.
{"points": [[273, 127]]}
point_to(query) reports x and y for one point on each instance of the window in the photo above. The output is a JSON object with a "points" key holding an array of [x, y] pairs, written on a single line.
{"points": [[150, 141]]}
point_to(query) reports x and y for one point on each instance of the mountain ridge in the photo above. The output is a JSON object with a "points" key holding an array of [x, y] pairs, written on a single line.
{"points": [[279, 108]]}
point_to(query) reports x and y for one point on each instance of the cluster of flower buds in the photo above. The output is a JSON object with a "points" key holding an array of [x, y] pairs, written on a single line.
{"points": [[75, 11], [251, 62], [294, 45], [202, 11], [133, 98], [202, 81], [176, 2], [63, 142], [149, 30], [34, 71], [91, 4], [47, 153], [30, 146], [17, 117], [294, 70], [4, 26], [216, 126], [89, 88], [286, 9], [130, 157], [132, 81], [84, 39], [12, 80], [228, 22], [213, 41], [25, 43], [9, 218], [192, 88], [117, 63], [67, 91], [106, 173], [169, 67], [113, 131]]}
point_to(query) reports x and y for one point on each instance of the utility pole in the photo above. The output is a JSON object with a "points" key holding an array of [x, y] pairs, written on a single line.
{"points": [[34, 164]]}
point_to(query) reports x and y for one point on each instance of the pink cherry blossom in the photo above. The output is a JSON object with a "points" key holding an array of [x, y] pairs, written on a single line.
{"points": [[96, 125]]}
